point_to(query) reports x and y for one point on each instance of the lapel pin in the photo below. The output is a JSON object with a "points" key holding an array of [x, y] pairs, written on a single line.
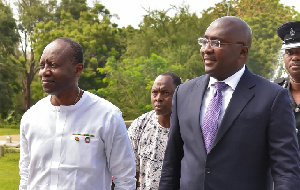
{"points": [[87, 139], [76, 139]]}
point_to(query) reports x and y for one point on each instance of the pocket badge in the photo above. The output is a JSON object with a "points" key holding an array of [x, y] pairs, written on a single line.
{"points": [[87, 137]]}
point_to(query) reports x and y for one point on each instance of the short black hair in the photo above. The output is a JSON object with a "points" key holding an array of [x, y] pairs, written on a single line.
{"points": [[176, 78], [77, 51]]}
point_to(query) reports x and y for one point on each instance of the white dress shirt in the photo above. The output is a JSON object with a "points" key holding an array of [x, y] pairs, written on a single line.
{"points": [[232, 82], [75, 147]]}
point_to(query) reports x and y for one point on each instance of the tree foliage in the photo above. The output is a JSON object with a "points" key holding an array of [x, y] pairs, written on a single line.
{"points": [[74, 7], [8, 31], [9, 86], [130, 80], [30, 12]]}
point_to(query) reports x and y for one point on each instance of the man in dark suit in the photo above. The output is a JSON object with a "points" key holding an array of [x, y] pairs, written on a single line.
{"points": [[251, 138]]}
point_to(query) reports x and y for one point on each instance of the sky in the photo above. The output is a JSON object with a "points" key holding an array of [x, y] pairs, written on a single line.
{"points": [[131, 12]]}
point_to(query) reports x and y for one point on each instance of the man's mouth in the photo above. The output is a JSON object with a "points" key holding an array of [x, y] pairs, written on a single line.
{"points": [[296, 64], [207, 59], [158, 106], [47, 81]]}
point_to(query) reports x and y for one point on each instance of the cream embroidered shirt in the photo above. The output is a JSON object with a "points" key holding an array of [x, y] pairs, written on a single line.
{"points": [[149, 141]]}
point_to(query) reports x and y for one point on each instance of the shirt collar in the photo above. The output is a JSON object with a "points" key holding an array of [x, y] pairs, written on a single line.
{"points": [[231, 81]]}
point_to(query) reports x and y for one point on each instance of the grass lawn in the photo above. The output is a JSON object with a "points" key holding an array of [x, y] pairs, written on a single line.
{"points": [[5, 131], [9, 130], [9, 164], [9, 171]]}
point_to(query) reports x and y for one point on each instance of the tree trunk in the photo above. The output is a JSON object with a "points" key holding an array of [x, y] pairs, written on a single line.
{"points": [[29, 75]]}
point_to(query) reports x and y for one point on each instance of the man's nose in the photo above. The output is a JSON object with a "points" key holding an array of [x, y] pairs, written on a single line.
{"points": [[206, 48], [296, 57], [46, 70], [159, 97]]}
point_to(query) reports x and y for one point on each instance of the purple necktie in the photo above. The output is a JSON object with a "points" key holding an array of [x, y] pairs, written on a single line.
{"points": [[211, 117]]}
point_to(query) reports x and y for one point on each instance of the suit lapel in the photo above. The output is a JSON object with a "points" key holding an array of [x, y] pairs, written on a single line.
{"points": [[240, 98], [196, 96]]}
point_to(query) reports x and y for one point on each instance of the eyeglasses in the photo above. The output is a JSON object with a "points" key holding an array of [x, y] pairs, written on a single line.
{"points": [[214, 43]]}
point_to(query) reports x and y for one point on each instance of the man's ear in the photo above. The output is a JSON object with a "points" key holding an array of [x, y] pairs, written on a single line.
{"points": [[244, 52], [78, 69]]}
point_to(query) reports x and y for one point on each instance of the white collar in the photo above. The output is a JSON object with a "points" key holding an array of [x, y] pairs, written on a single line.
{"points": [[231, 81]]}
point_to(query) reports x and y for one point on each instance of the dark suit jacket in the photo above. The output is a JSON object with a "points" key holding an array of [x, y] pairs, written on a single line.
{"points": [[257, 135]]}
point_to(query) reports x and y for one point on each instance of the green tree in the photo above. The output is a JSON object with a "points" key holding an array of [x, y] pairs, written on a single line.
{"points": [[129, 82], [74, 7], [30, 12], [9, 86]]}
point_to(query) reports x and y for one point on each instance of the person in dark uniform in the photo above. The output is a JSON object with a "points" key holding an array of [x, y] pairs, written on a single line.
{"points": [[290, 35]]}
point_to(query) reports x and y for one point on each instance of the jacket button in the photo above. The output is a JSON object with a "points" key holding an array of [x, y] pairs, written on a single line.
{"points": [[207, 170]]}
